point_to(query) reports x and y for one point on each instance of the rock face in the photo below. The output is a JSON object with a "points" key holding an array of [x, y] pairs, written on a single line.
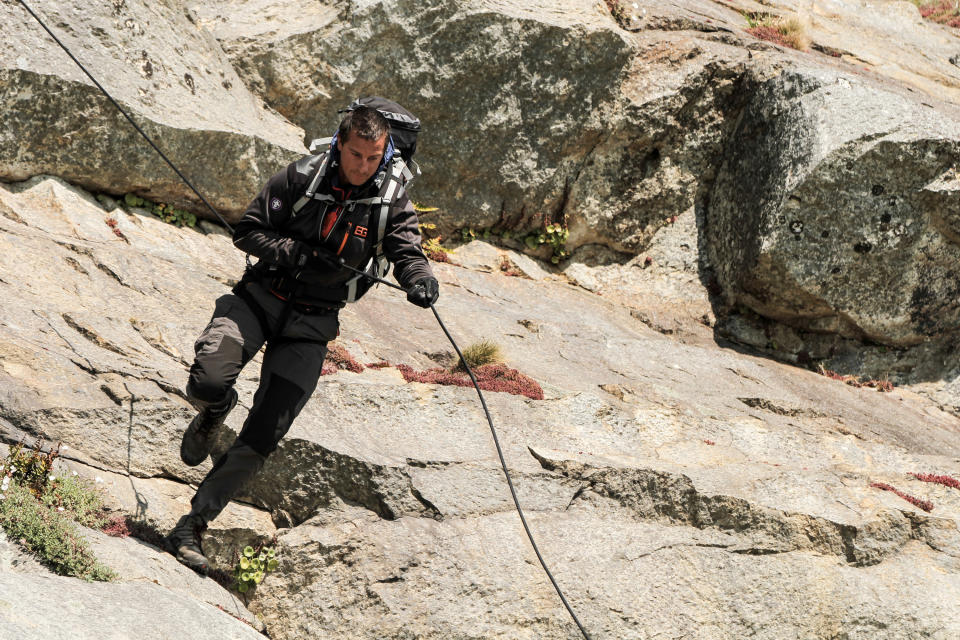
{"points": [[532, 112], [841, 225], [676, 487], [156, 597], [173, 81], [673, 487]]}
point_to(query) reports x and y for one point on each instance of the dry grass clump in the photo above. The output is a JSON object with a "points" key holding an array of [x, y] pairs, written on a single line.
{"points": [[478, 354], [784, 31]]}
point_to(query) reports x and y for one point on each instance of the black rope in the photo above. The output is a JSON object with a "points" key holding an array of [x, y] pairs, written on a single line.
{"points": [[506, 473], [127, 116], [473, 378], [496, 441]]}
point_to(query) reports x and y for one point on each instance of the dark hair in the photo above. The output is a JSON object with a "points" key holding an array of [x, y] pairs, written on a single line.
{"points": [[364, 121]]}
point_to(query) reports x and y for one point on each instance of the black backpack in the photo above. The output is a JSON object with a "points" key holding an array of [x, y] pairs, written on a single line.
{"points": [[404, 129], [404, 126]]}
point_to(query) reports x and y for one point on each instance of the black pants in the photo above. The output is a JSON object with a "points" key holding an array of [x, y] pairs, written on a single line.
{"points": [[296, 347]]}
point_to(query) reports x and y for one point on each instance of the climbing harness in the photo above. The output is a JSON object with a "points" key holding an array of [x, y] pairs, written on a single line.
{"points": [[364, 274]]}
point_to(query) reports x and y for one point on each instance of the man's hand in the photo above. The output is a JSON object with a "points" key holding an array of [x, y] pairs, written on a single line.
{"points": [[424, 292], [317, 259]]}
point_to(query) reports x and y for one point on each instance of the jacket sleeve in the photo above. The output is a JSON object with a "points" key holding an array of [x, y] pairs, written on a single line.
{"points": [[401, 244], [259, 231]]}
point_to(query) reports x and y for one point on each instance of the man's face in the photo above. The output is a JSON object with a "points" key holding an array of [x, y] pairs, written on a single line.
{"points": [[360, 158]]}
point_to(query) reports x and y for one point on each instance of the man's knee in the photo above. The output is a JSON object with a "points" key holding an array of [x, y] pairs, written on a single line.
{"points": [[220, 356], [204, 391]]}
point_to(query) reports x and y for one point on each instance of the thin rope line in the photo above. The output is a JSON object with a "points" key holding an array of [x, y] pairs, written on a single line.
{"points": [[473, 378], [127, 116]]}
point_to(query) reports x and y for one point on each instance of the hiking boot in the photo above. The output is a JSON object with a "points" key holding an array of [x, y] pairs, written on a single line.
{"points": [[196, 443], [184, 542]]}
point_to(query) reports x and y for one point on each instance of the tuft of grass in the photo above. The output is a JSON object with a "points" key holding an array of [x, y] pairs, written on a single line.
{"points": [[786, 32], [41, 512], [49, 534], [478, 354], [75, 497]]}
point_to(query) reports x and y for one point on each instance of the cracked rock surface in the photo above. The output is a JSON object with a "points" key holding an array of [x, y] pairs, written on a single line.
{"points": [[172, 80], [724, 197], [673, 486]]}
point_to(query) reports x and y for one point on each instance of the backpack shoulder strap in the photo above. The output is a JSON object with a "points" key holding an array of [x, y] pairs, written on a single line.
{"points": [[392, 190], [318, 167]]}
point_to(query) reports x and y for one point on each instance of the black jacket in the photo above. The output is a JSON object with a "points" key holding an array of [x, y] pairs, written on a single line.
{"points": [[270, 231]]}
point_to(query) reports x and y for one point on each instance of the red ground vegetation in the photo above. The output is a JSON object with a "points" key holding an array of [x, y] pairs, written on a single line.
{"points": [[771, 34], [946, 481], [490, 377], [944, 12], [853, 381], [926, 505], [339, 358], [507, 268], [437, 255], [112, 223], [117, 527]]}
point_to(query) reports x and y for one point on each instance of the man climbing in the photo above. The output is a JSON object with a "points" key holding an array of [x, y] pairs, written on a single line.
{"points": [[345, 206]]}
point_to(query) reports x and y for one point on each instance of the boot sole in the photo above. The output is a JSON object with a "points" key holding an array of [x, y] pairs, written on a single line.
{"points": [[201, 568]]}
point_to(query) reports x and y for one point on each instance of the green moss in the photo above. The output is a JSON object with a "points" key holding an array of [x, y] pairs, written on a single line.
{"points": [[165, 212]]}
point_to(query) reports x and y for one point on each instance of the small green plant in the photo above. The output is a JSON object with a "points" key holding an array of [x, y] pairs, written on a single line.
{"points": [[253, 565], [165, 212], [421, 209], [480, 353], [39, 510], [30, 469], [554, 235]]}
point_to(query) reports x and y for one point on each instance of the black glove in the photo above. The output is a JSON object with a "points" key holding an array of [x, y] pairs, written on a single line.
{"points": [[317, 259], [424, 292]]}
